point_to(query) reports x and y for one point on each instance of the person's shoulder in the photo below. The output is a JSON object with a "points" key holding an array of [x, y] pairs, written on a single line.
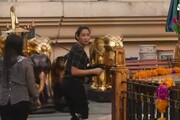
{"points": [[20, 58], [77, 48], [25, 60]]}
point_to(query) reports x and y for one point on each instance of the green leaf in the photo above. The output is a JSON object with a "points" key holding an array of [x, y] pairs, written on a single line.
{"points": [[176, 28]]}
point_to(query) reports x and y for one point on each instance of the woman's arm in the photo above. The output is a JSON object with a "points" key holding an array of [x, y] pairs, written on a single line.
{"points": [[79, 72], [42, 78], [31, 80], [32, 84]]}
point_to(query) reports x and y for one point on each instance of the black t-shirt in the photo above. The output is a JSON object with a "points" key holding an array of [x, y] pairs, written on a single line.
{"points": [[77, 57]]}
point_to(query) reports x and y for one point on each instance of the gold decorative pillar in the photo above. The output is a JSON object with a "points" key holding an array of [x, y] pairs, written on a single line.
{"points": [[176, 61], [120, 76], [2, 41]]}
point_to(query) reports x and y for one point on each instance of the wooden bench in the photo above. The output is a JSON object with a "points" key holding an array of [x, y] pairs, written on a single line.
{"points": [[137, 65]]}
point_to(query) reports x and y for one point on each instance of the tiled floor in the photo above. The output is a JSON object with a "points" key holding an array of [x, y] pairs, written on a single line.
{"points": [[98, 111]]}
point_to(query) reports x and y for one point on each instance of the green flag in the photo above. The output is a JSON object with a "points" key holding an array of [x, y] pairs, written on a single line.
{"points": [[172, 15]]}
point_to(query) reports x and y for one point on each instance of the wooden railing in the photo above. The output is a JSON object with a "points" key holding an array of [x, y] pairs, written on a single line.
{"points": [[137, 65]]}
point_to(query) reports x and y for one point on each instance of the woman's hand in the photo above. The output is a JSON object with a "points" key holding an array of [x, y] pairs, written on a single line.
{"points": [[98, 71], [37, 103], [42, 78]]}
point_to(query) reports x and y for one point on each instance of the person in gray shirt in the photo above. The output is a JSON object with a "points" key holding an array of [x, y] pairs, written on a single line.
{"points": [[17, 81]]}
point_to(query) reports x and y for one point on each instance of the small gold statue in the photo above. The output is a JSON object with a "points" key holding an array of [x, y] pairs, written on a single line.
{"points": [[177, 51], [176, 61], [14, 20]]}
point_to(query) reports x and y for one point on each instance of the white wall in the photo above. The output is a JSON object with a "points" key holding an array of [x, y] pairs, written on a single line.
{"points": [[132, 49], [42, 8]]}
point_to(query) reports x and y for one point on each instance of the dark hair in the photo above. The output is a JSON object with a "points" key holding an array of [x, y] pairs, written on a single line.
{"points": [[60, 58], [12, 49], [78, 31]]}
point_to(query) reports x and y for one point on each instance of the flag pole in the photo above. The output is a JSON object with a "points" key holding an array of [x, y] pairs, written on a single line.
{"points": [[177, 48], [178, 9]]}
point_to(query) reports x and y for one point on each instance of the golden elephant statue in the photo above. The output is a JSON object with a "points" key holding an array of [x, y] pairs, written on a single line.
{"points": [[107, 50], [2, 41]]}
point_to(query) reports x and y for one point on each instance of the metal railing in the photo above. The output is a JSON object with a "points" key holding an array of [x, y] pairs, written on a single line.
{"points": [[139, 101]]}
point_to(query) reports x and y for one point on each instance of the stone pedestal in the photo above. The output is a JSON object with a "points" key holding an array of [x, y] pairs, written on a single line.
{"points": [[99, 95]]}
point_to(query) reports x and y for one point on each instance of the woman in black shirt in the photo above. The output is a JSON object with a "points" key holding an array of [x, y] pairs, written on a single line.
{"points": [[75, 72]]}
